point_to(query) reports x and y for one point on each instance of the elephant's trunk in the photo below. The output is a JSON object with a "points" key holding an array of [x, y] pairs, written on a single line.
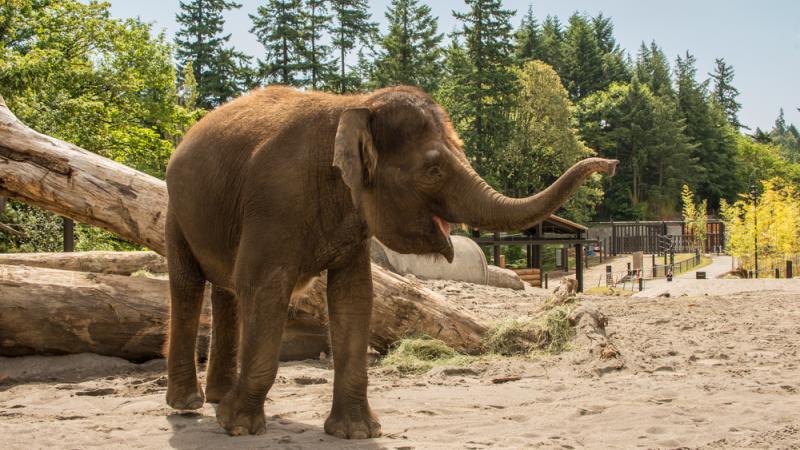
{"points": [[473, 202]]}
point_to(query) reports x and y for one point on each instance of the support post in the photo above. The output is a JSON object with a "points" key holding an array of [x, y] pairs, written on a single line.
{"points": [[579, 266], [496, 249], [613, 239], [654, 264], [789, 268], [69, 235]]}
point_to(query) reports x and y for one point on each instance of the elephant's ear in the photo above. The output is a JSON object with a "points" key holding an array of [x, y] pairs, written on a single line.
{"points": [[354, 153]]}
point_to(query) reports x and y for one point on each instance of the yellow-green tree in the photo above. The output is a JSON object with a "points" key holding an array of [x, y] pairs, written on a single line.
{"points": [[694, 215], [774, 220]]}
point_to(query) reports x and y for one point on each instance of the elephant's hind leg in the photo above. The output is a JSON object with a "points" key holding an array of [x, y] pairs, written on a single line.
{"points": [[186, 284], [222, 364]]}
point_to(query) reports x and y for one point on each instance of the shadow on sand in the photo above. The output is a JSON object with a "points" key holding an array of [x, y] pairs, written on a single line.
{"points": [[193, 430]]}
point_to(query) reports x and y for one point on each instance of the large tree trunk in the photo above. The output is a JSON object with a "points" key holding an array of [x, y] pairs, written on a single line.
{"points": [[115, 263], [58, 176], [49, 311]]}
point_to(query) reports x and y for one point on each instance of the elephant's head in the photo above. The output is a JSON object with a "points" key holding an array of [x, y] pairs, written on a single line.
{"points": [[409, 177]]}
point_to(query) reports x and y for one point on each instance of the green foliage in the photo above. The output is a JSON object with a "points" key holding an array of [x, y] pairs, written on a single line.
{"points": [[583, 59], [761, 161], [628, 122], [652, 68], [724, 93], [708, 129], [543, 142], [69, 70], [350, 25], [279, 27], [481, 102], [42, 229], [787, 138], [527, 38], [221, 72], [585, 54], [411, 50], [318, 63], [551, 50]]}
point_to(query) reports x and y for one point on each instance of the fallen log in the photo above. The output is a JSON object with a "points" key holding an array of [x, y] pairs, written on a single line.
{"points": [[116, 263], [50, 311], [46, 172]]}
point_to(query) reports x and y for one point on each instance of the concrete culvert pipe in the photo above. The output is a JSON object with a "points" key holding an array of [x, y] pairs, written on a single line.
{"points": [[469, 264]]}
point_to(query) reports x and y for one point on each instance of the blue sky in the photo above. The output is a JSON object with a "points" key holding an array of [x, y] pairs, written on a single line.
{"points": [[761, 39]]}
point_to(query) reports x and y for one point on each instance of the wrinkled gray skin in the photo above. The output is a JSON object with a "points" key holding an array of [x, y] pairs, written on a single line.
{"points": [[271, 189]]}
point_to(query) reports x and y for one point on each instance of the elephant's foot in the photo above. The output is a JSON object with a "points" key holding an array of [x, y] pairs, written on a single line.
{"points": [[238, 420], [185, 395], [353, 426]]}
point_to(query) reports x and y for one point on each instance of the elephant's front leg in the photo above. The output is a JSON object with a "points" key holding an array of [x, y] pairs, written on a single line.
{"points": [[263, 303], [349, 308]]}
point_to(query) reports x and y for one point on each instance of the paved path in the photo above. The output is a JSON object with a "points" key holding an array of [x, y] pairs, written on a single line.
{"points": [[719, 266], [687, 284]]}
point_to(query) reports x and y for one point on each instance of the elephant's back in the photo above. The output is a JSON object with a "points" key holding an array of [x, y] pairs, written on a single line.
{"points": [[230, 149]]}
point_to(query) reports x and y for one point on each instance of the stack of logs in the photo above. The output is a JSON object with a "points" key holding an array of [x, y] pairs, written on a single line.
{"points": [[532, 276]]}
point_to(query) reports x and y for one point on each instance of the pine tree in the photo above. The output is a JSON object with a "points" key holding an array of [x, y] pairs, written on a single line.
{"points": [[615, 66], [491, 84], [316, 53], [582, 71], [411, 52], [652, 68], [551, 44], [526, 39], [724, 92], [708, 129], [780, 123], [350, 26], [628, 122], [201, 42], [787, 138], [278, 25]]}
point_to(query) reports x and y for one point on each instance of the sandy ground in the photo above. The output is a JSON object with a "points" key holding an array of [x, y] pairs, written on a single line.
{"points": [[695, 372]]}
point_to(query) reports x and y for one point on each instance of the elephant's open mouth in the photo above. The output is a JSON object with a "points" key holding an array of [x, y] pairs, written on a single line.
{"points": [[444, 229]]}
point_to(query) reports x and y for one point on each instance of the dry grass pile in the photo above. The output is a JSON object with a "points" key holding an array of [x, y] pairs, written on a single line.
{"points": [[551, 332], [419, 355]]}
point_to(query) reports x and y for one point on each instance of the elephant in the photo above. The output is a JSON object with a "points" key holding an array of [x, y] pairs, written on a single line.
{"points": [[271, 189]]}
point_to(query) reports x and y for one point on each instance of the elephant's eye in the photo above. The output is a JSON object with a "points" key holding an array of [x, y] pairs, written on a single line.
{"points": [[435, 172]]}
